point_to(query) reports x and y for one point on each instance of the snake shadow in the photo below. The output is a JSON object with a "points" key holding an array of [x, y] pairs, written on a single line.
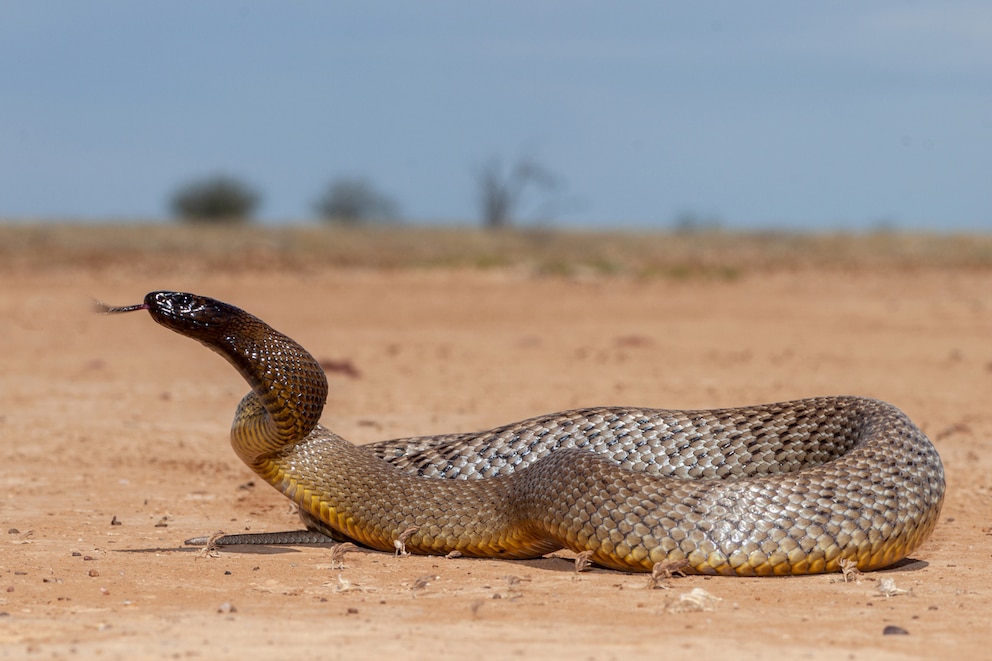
{"points": [[564, 564], [547, 563], [906, 564], [567, 565], [552, 563]]}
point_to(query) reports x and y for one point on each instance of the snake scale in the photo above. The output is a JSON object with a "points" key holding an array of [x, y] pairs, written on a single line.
{"points": [[787, 488]]}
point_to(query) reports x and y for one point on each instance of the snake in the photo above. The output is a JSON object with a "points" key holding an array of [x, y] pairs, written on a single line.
{"points": [[800, 487]]}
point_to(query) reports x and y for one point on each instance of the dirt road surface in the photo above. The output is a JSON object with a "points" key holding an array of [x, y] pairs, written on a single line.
{"points": [[114, 446]]}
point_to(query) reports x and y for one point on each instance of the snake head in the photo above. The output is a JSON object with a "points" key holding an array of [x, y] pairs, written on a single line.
{"points": [[199, 317]]}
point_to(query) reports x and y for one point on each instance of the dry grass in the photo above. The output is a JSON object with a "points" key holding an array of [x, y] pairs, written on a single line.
{"points": [[717, 254]]}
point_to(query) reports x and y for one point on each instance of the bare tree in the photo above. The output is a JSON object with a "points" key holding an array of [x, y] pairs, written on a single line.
{"points": [[501, 191], [354, 200]]}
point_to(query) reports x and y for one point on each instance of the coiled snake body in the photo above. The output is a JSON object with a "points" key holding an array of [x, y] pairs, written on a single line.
{"points": [[788, 488]]}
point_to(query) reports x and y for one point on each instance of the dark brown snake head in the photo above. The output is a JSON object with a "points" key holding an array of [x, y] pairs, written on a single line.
{"points": [[199, 317]]}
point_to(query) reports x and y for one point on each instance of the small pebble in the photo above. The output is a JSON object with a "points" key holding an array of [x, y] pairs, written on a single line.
{"points": [[893, 630]]}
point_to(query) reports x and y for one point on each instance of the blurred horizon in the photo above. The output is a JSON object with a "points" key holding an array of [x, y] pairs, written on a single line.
{"points": [[769, 116], [39, 225]]}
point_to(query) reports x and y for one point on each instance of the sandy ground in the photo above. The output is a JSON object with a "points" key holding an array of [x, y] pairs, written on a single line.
{"points": [[114, 442]]}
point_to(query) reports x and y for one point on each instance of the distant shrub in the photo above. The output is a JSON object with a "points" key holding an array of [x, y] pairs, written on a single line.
{"points": [[219, 198], [353, 201], [689, 222]]}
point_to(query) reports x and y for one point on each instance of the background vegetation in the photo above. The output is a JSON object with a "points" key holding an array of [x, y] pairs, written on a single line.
{"points": [[217, 198], [683, 255]]}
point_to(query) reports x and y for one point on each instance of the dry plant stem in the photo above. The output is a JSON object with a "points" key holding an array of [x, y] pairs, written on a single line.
{"points": [[663, 571], [339, 551], [887, 587], [850, 570], [400, 542], [583, 561]]}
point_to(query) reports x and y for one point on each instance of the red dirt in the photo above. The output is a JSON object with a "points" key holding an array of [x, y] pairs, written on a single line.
{"points": [[114, 442]]}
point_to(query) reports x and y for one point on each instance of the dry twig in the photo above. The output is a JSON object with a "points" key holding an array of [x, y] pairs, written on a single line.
{"points": [[583, 561], [887, 588], [422, 583], [210, 548], [338, 553], [850, 571], [662, 571], [400, 542], [696, 600], [513, 586]]}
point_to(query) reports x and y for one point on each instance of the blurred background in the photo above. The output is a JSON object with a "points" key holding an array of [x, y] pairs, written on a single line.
{"points": [[764, 115]]}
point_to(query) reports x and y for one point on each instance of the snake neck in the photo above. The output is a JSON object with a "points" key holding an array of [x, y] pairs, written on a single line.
{"points": [[288, 385], [289, 389]]}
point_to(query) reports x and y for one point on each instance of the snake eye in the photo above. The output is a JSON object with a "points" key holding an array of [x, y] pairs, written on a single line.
{"points": [[193, 306], [182, 310]]}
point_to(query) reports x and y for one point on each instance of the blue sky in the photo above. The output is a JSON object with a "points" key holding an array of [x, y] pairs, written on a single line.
{"points": [[838, 115]]}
